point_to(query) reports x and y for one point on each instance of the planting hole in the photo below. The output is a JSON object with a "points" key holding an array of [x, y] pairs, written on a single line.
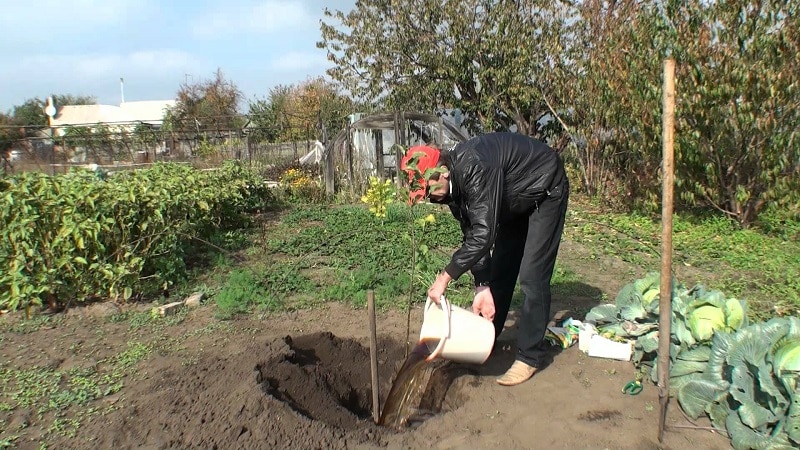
{"points": [[328, 379]]}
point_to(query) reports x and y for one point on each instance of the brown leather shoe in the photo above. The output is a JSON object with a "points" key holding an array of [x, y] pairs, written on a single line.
{"points": [[518, 372]]}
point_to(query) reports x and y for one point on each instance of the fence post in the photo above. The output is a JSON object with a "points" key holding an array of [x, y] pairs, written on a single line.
{"points": [[330, 171], [52, 151], [378, 134], [396, 148], [350, 153], [403, 137], [441, 133]]}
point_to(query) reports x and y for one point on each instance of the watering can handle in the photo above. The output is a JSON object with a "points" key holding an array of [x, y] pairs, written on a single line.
{"points": [[446, 309]]}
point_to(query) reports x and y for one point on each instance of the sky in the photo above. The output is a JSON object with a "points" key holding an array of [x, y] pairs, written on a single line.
{"points": [[84, 47]]}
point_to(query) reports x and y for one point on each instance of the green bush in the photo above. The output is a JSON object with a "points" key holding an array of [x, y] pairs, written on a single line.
{"points": [[79, 236]]}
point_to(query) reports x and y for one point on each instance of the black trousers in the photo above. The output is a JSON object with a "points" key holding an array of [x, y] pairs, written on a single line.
{"points": [[526, 248]]}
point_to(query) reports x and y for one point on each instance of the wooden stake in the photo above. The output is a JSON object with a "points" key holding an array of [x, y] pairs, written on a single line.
{"points": [[665, 302], [373, 356]]}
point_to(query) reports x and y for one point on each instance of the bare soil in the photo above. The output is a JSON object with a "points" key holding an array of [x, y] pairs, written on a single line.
{"points": [[302, 380]]}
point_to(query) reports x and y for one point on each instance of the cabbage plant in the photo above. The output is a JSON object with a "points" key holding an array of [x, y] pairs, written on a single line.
{"points": [[746, 378], [749, 385], [697, 313]]}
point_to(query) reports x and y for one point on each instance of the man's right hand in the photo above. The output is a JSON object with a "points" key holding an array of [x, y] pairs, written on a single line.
{"points": [[436, 291], [483, 303]]}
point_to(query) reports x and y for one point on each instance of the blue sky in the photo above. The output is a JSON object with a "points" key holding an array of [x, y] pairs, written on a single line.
{"points": [[84, 47]]}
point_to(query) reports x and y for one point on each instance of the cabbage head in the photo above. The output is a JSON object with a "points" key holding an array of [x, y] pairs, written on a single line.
{"points": [[649, 296], [735, 314], [786, 363], [704, 320]]}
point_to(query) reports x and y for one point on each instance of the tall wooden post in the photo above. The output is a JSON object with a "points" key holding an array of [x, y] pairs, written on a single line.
{"points": [[665, 301], [373, 357]]}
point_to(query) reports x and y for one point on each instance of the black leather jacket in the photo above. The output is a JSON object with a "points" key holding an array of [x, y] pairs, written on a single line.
{"points": [[496, 177]]}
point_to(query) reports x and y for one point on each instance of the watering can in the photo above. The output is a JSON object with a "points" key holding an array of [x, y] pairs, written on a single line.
{"points": [[456, 334]]}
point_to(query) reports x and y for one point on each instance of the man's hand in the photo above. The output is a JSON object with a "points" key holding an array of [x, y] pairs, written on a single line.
{"points": [[436, 291], [483, 303]]}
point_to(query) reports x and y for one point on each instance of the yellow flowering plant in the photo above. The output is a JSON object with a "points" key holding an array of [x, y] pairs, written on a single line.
{"points": [[379, 195], [300, 185]]}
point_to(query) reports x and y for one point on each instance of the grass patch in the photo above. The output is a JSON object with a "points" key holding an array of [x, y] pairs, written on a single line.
{"points": [[264, 289], [345, 251], [567, 283], [317, 253], [59, 398], [147, 319], [759, 267], [35, 323]]}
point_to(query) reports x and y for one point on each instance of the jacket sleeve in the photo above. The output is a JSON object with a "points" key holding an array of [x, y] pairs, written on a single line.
{"points": [[482, 190], [481, 269]]}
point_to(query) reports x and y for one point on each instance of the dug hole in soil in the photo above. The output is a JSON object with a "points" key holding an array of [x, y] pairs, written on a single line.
{"points": [[304, 391], [303, 381]]}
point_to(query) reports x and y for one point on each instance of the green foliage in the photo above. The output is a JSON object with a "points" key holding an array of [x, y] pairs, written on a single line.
{"points": [[101, 142], [205, 149], [744, 377], [50, 393], [10, 133], [301, 186], [352, 285], [748, 384], [594, 79], [267, 290], [353, 250], [472, 55], [736, 148], [31, 112], [379, 195], [748, 263], [206, 106], [74, 237], [240, 292], [697, 314], [739, 152], [308, 110]]}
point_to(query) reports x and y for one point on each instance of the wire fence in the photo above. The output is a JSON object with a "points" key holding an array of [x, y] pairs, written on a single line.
{"points": [[366, 146], [123, 149]]}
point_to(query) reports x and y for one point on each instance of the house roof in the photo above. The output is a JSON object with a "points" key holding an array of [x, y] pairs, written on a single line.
{"points": [[151, 111]]}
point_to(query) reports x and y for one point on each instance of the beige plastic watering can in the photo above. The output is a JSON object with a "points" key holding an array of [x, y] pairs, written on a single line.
{"points": [[456, 334]]}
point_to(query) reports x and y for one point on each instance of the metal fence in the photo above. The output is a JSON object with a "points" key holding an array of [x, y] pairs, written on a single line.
{"points": [[368, 146], [121, 150]]}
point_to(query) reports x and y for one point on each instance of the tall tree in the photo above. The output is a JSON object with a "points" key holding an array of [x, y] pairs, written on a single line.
{"points": [[483, 57], [738, 105], [607, 91], [10, 133], [316, 105], [267, 116], [207, 105], [740, 149], [308, 110]]}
